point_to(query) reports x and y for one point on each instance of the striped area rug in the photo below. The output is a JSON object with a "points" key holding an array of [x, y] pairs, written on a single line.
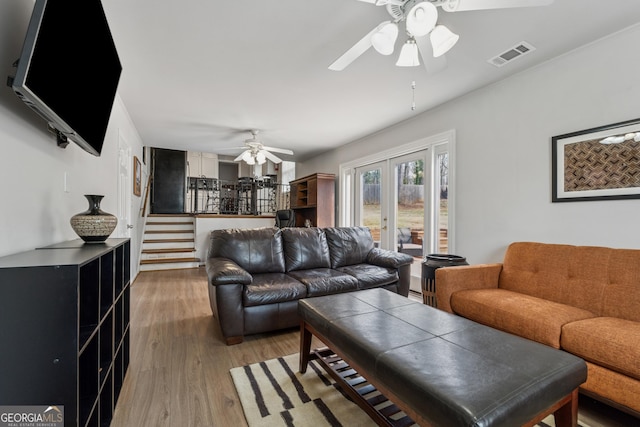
{"points": [[273, 393]]}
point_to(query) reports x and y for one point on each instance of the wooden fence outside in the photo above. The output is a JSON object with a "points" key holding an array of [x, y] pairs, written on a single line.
{"points": [[407, 195]]}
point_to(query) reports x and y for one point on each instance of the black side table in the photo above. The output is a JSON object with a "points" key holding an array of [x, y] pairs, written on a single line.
{"points": [[430, 264]]}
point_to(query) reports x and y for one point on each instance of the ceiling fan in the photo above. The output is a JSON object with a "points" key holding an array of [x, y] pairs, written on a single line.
{"points": [[257, 153], [421, 19]]}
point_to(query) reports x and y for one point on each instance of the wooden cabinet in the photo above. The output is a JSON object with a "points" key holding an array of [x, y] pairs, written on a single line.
{"points": [[64, 316], [313, 199]]}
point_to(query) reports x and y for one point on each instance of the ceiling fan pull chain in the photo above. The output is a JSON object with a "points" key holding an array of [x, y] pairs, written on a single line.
{"points": [[413, 95]]}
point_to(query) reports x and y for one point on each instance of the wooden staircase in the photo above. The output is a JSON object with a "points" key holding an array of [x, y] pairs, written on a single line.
{"points": [[169, 243]]}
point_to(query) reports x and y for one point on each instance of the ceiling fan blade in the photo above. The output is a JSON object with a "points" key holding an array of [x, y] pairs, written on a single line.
{"points": [[231, 148], [462, 5], [272, 157], [278, 150], [432, 64], [384, 2], [352, 54], [237, 159]]}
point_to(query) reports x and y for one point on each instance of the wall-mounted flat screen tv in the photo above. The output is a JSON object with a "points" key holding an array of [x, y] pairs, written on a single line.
{"points": [[69, 70]]}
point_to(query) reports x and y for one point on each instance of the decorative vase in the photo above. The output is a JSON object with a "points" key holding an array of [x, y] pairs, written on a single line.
{"points": [[94, 225]]}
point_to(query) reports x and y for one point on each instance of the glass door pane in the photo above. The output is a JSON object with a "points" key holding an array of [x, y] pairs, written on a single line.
{"points": [[442, 201], [410, 207], [370, 206]]}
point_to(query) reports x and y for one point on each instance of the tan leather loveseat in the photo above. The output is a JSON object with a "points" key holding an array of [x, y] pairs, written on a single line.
{"points": [[581, 299]]}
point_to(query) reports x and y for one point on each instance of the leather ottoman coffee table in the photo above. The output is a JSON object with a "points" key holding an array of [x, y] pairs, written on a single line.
{"points": [[440, 369]]}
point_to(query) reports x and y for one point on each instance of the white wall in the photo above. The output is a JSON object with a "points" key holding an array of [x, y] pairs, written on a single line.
{"points": [[503, 146], [206, 224], [35, 208]]}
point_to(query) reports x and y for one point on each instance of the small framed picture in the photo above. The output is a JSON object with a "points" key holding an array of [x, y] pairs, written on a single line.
{"points": [[137, 177], [601, 163]]}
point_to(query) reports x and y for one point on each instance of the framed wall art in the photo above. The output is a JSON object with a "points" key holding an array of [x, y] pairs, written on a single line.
{"points": [[137, 176], [597, 164]]}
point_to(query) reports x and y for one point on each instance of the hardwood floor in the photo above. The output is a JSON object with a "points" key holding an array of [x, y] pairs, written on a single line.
{"points": [[179, 369]]}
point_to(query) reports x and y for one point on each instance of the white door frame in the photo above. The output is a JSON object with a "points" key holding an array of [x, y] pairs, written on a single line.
{"points": [[125, 187], [346, 214]]}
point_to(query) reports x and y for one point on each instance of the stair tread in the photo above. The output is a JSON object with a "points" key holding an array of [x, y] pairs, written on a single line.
{"points": [[169, 223], [168, 260], [167, 240], [168, 231], [167, 250]]}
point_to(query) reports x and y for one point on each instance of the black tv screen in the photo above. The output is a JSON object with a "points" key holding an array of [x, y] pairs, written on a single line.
{"points": [[69, 69]]}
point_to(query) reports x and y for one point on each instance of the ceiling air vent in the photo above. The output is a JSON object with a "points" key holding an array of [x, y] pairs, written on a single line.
{"points": [[509, 55]]}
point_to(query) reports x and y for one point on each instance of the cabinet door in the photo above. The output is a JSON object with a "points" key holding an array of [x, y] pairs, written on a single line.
{"points": [[194, 164], [209, 165]]}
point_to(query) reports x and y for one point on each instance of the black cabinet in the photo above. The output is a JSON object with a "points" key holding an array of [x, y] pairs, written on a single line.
{"points": [[64, 328]]}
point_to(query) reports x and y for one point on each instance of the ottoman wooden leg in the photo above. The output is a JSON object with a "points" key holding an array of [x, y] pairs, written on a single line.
{"points": [[567, 415], [305, 346]]}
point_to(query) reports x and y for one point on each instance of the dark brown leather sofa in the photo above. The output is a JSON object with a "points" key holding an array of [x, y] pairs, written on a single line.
{"points": [[257, 276]]}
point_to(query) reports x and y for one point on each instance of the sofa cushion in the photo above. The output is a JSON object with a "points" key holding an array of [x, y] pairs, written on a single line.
{"points": [[348, 245], [622, 295], [529, 317], [370, 276], [606, 341], [601, 280], [305, 248], [257, 250], [325, 281], [270, 288]]}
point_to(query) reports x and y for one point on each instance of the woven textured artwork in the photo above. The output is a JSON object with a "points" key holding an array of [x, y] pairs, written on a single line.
{"points": [[590, 165]]}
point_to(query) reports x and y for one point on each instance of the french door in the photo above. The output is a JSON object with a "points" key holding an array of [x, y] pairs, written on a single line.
{"points": [[392, 200], [404, 195]]}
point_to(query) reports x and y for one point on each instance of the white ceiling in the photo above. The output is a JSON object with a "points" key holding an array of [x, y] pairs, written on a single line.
{"points": [[198, 74]]}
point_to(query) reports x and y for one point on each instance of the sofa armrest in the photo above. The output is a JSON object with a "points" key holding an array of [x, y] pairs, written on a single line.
{"points": [[389, 259], [458, 278], [223, 271]]}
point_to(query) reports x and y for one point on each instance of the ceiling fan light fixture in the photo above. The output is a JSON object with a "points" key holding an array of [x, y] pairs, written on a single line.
{"points": [[421, 19], [409, 54], [384, 39], [247, 157], [261, 158], [442, 39]]}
